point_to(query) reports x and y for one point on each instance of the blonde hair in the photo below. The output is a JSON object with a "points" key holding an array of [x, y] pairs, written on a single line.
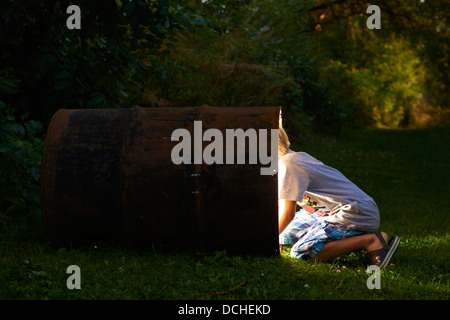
{"points": [[283, 140]]}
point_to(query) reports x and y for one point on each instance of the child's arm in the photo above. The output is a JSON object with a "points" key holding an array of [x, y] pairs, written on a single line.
{"points": [[286, 212]]}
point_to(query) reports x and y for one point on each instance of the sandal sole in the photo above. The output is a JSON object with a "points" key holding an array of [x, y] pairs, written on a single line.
{"points": [[393, 244]]}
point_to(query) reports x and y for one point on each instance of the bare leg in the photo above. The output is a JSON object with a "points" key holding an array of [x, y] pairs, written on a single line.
{"points": [[333, 249]]}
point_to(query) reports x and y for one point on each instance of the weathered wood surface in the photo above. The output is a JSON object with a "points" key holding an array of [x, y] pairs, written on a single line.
{"points": [[107, 174]]}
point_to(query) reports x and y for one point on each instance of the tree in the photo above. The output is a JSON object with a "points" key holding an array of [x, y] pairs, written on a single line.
{"points": [[99, 65], [391, 73]]}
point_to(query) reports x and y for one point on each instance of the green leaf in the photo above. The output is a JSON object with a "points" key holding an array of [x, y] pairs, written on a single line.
{"points": [[16, 128], [129, 8], [9, 86], [60, 85], [97, 98], [33, 126], [62, 75]]}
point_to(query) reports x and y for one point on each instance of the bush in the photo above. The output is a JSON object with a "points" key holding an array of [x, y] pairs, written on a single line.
{"points": [[100, 65], [20, 160]]}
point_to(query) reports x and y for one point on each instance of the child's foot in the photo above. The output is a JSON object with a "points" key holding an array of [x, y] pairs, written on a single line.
{"points": [[385, 252], [376, 243]]}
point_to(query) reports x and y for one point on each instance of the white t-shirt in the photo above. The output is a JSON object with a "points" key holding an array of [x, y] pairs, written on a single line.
{"points": [[326, 191]]}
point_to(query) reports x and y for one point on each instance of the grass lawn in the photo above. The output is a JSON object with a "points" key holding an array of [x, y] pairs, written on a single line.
{"points": [[406, 172]]}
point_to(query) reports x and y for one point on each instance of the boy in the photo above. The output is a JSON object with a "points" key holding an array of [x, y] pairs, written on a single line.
{"points": [[337, 216]]}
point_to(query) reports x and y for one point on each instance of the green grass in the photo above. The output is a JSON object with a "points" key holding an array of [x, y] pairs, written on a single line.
{"points": [[406, 172]]}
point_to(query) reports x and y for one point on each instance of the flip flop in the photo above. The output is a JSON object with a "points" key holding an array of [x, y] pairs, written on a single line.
{"points": [[383, 256]]}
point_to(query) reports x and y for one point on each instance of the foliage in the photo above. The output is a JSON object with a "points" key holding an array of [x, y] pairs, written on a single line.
{"points": [[21, 156], [390, 77], [315, 58], [239, 56], [99, 65], [384, 89], [20, 152], [426, 26], [297, 54]]}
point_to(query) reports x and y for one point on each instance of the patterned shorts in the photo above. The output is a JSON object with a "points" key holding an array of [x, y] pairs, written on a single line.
{"points": [[309, 234]]}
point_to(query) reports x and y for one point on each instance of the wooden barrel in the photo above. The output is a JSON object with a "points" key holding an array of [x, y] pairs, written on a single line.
{"points": [[108, 175]]}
